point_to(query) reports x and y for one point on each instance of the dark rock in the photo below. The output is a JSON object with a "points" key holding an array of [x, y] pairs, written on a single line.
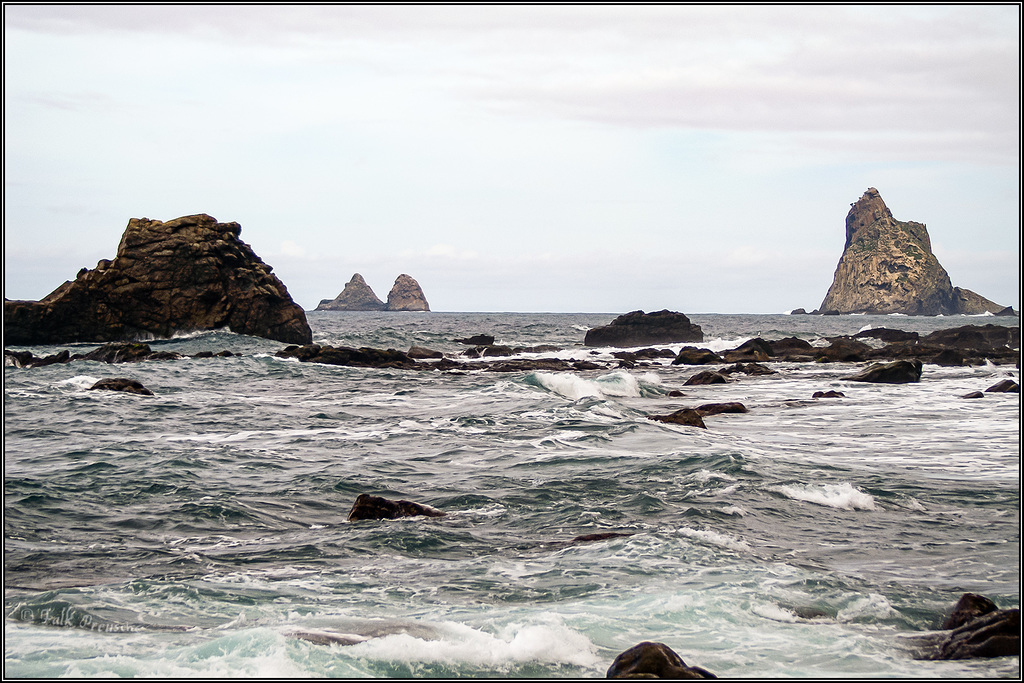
{"points": [[706, 377], [191, 273], [748, 369], [376, 507], [979, 337], [477, 340], [18, 359], [831, 393], [718, 408], [897, 372], [798, 311], [364, 357], [970, 606], [686, 416], [357, 296], [122, 384], [755, 349], [789, 346], [995, 634], [654, 660], [1004, 386], [675, 393], [1007, 311], [119, 353], [888, 266], [406, 295], [591, 538], [420, 353], [949, 358], [691, 355], [842, 350], [974, 394], [887, 335], [639, 329]]}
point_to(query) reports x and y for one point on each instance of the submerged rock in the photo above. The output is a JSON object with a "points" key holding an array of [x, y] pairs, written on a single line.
{"points": [[686, 416], [190, 273], [642, 329], [124, 384], [376, 507], [831, 393], [654, 660]]}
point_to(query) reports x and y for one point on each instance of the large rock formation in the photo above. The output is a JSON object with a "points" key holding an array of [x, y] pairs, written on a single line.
{"points": [[888, 266], [640, 329], [191, 273], [357, 296], [406, 295]]}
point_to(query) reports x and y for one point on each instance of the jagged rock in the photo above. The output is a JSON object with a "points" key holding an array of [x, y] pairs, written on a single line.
{"points": [[357, 296], [798, 311], [980, 337], [365, 357], [897, 372], [641, 329], [755, 349], [190, 273], [654, 660], [888, 266], [685, 416], [477, 340], [995, 634], [747, 369], [406, 295], [970, 606], [130, 386], [1004, 386], [376, 507]]}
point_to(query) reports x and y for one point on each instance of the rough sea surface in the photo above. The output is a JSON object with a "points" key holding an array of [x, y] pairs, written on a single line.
{"points": [[202, 532]]}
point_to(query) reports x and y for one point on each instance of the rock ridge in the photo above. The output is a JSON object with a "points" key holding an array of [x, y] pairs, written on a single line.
{"points": [[888, 266]]}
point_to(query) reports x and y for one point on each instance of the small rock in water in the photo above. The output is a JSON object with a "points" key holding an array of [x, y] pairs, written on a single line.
{"points": [[686, 416], [130, 386], [831, 393], [654, 660], [1005, 386], [376, 507], [897, 372]]}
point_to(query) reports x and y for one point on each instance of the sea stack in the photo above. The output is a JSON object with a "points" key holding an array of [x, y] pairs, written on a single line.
{"points": [[406, 295], [641, 329], [357, 296], [191, 273], [888, 266]]}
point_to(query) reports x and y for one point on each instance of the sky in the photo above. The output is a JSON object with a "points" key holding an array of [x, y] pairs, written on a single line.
{"points": [[563, 158]]}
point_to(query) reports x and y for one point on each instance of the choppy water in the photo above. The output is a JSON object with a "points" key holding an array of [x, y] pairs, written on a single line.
{"points": [[198, 532]]}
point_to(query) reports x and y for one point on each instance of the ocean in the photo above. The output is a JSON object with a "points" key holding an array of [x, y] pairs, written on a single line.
{"points": [[202, 532]]}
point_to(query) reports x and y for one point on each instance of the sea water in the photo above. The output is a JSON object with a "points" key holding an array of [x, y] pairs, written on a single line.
{"points": [[202, 532]]}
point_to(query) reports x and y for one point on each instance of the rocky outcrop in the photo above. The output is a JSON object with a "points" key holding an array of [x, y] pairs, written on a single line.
{"points": [[406, 295], [897, 372], [188, 274], [642, 329], [654, 660], [124, 384], [357, 296], [888, 266]]}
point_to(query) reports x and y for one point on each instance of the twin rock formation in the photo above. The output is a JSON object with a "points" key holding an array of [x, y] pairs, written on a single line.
{"points": [[888, 266], [406, 295]]}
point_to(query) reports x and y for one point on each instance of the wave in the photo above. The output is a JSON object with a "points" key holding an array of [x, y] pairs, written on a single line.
{"points": [[842, 496], [715, 538], [617, 384]]}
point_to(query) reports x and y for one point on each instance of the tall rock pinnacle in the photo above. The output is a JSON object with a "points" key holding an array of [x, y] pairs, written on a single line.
{"points": [[888, 266], [357, 296], [406, 295]]}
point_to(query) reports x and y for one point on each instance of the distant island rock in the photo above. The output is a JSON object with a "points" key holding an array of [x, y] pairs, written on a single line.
{"points": [[357, 296], [405, 295], [641, 329], [888, 266], [191, 273]]}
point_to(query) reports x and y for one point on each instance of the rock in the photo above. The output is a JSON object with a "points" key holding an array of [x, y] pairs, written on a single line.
{"points": [[406, 295], [888, 266], [831, 393], [654, 660], [1007, 311], [755, 349], [974, 394], [970, 606], [843, 350], [980, 337], [887, 335], [897, 372], [995, 634], [706, 377], [718, 408], [120, 353], [798, 311], [122, 384], [788, 347], [949, 358], [591, 538], [1004, 386], [748, 369], [686, 416], [191, 273], [477, 340], [365, 357], [691, 355], [419, 353], [357, 296], [642, 329], [376, 507]]}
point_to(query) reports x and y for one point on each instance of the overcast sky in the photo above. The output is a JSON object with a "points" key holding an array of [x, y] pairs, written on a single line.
{"points": [[518, 158]]}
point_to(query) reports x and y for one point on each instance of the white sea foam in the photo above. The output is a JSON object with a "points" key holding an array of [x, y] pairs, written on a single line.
{"points": [[618, 384], [843, 496], [80, 381], [715, 538]]}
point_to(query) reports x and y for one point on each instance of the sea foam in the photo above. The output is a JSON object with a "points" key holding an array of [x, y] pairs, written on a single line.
{"points": [[842, 496]]}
